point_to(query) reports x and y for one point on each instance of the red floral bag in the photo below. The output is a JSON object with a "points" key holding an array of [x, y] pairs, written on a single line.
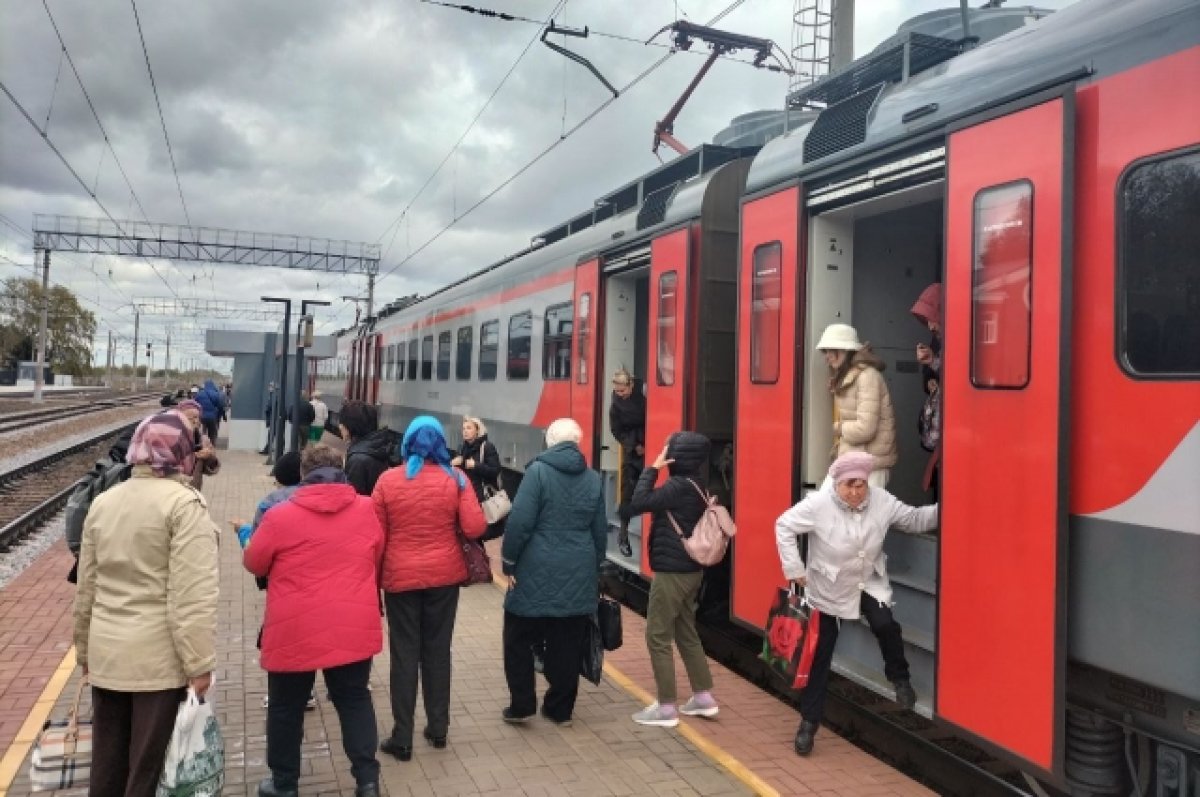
{"points": [[790, 640]]}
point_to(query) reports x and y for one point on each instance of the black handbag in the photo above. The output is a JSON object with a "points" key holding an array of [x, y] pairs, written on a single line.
{"points": [[608, 617], [591, 653]]}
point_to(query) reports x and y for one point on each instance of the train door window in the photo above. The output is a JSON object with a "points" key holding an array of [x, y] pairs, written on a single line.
{"points": [[445, 347], [401, 348], [556, 345], [389, 358], [489, 350], [427, 358], [1001, 280], [584, 330], [413, 359], [520, 345], [766, 292], [462, 363], [668, 328], [1158, 302]]}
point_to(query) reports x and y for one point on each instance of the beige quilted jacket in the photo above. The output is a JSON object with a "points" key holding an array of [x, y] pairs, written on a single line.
{"points": [[865, 420]]}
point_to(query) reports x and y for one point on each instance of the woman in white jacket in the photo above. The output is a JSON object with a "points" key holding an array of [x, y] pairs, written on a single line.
{"points": [[846, 575]]}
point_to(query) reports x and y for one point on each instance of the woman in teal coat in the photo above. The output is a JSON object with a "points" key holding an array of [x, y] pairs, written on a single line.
{"points": [[553, 547]]}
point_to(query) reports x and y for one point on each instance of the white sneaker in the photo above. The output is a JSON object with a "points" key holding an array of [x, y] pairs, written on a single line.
{"points": [[312, 702], [266, 701], [700, 708], [654, 714]]}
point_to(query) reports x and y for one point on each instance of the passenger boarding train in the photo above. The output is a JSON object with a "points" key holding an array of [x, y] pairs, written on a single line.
{"points": [[1050, 179]]}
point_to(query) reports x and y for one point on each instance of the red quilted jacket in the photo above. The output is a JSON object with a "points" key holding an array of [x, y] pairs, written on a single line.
{"points": [[321, 552], [419, 517]]}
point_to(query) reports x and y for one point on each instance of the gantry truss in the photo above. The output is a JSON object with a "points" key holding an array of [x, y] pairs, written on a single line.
{"points": [[203, 244], [208, 308]]}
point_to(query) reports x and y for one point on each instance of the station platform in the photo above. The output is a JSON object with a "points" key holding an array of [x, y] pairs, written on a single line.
{"points": [[746, 750]]}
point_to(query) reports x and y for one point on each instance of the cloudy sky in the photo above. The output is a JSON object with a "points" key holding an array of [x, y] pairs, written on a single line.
{"points": [[324, 119]]}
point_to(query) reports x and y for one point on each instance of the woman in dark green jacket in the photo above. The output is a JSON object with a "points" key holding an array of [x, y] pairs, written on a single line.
{"points": [[553, 547]]}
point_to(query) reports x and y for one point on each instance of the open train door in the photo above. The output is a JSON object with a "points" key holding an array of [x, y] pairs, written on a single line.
{"points": [[667, 372], [1002, 642], [587, 377]]}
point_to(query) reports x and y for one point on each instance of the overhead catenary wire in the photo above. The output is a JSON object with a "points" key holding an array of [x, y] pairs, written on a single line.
{"points": [[154, 87]]}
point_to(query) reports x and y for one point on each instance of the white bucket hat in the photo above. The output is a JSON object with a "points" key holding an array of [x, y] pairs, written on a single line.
{"points": [[839, 336]]}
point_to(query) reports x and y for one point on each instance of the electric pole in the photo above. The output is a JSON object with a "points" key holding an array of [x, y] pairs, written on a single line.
{"points": [[39, 378], [136, 317]]}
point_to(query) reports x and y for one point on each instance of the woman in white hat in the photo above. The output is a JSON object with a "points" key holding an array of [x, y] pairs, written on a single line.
{"points": [[863, 419]]}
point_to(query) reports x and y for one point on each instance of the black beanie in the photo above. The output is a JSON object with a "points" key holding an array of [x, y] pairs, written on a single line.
{"points": [[287, 469]]}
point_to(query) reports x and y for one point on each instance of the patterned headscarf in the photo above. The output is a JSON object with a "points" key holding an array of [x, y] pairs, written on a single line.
{"points": [[164, 442], [425, 440]]}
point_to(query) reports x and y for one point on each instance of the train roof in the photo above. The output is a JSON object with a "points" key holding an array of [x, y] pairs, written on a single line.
{"points": [[872, 106]]}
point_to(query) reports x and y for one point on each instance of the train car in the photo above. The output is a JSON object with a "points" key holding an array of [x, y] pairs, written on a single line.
{"points": [[332, 374], [1050, 179]]}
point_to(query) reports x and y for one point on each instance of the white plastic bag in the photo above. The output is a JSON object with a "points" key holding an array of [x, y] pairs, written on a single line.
{"points": [[195, 764]]}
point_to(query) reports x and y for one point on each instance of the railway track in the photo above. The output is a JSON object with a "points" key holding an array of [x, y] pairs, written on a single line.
{"points": [[21, 421], [33, 493], [925, 750]]}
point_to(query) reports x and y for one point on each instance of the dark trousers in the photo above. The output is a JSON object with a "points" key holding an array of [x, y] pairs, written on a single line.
{"points": [[563, 639], [289, 691], [632, 465], [420, 629], [130, 734], [211, 427], [886, 630]]}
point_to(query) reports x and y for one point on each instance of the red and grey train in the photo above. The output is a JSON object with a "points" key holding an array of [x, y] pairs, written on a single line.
{"points": [[1050, 179]]}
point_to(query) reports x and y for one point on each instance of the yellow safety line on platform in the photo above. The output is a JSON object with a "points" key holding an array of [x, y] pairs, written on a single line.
{"points": [[706, 746], [10, 765]]}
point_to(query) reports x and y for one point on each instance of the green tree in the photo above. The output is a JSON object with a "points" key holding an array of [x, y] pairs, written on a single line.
{"points": [[69, 330]]}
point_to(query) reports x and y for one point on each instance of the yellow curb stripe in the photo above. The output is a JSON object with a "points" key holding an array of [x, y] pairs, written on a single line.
{"points": [[709, 748], [10, 765]]}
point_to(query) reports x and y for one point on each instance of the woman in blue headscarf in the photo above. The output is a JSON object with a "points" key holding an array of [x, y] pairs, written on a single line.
{"points": [[422, 505]]}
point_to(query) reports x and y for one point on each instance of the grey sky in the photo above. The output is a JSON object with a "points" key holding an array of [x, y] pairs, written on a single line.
{"points": [[323, 119]]}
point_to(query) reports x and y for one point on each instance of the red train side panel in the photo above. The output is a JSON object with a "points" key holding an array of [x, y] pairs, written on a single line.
{"points": [[1001, 643], [767, 408]]}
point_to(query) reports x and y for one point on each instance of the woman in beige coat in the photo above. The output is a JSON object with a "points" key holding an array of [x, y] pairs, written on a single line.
{"points": [[863, 416], [146, 610]]}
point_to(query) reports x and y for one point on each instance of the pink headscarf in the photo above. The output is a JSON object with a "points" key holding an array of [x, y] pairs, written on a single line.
{"points": [[164, 442], [188, 404], [851, 465]]}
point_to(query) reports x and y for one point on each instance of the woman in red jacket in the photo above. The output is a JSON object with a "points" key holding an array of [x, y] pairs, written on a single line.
{"points": [[321, 551], [421, 507]]}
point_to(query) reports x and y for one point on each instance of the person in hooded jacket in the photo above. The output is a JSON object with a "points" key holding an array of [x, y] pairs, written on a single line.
{"points": [[553, 547], [863, 416], [627, 422], [671, 611], [479, 459], [321, 551], [928, 310], [422, 507], [212, 407], [368, 447]]}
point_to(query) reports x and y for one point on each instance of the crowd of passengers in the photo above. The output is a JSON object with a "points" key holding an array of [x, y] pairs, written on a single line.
{"points": [[380, 529]]}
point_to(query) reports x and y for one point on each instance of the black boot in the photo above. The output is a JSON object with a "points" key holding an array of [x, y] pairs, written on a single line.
{"points": [[623, 543], [267, 788], [395, 749], [439, 742], [367, 790], [906, 696], [804, 737]]}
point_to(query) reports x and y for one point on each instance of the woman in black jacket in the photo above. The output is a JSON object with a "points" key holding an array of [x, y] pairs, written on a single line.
{"points": [[479, 459], [368, 448], [671, 614]]}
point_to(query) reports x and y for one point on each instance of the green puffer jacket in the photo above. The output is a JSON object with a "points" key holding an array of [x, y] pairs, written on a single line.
{"points": [[556, 537]]}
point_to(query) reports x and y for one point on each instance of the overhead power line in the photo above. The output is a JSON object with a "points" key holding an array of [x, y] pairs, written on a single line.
{"points": [[161, 119]]}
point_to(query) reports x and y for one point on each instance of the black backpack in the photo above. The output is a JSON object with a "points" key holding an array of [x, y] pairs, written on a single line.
{"points": [[104, 474]]}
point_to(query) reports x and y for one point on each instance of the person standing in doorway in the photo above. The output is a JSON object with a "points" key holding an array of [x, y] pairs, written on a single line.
{"points": [[928, 310], [320, 416], [863, 416], [627, 420]]}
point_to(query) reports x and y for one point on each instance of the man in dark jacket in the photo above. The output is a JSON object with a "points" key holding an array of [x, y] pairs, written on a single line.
{"points": [[212, 407], [553, 547], [305, 415], [671, 614], [369, 448], [627, 420]]}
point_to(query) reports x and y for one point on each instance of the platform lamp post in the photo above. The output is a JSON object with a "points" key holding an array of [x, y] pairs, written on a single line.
{"points": [[303, 341], [278, 424]]}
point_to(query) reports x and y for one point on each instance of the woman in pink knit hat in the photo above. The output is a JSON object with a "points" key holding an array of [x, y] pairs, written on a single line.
{"points": [[846, 575]]}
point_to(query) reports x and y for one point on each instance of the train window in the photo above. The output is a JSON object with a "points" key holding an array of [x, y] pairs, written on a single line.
{"points": [[401, 348], [1001, 282], [583, 325], [668, 337], [445, 347], [556, 344], [1158, 302], [412, 358], [766, 293], [427, 358], [520, 345], [389, 358], [462, 365], [489, 349]]}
